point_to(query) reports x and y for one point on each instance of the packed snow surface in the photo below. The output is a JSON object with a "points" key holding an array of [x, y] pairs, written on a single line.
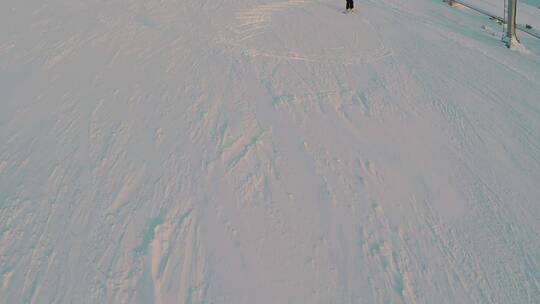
{"points": [[277, 151]]}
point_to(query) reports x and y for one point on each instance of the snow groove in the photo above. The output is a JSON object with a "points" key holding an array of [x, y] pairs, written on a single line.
{"points": [[251, 22]]}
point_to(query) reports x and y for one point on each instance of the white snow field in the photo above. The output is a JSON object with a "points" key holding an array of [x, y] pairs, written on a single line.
{"points": [[266, 151]]}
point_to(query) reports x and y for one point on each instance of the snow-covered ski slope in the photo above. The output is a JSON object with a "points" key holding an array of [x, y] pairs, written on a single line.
{"points": [[528, 10], [250, 151]]}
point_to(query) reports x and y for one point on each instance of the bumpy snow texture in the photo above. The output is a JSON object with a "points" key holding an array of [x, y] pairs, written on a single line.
{"points": [[267, 151]]}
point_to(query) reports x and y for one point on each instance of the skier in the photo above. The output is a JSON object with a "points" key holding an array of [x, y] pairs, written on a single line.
{"points": [[350, 6]]}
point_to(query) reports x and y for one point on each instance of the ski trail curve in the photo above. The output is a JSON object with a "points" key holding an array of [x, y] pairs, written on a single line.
{"points": [[253, 21]]}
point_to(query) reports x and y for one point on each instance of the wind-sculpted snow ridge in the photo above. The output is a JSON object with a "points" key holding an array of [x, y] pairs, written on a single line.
{"points": [[246, 151]]}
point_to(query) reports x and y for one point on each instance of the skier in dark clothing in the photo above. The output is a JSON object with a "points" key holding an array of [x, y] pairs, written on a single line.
{"points": [[350, 5]]}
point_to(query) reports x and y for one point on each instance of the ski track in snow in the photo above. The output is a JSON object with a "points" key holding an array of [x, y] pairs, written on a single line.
{"points": [[252, 21], [264, 152]]}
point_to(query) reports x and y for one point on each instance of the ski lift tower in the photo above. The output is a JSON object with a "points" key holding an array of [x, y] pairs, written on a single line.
{"points": [[510, 37]]}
